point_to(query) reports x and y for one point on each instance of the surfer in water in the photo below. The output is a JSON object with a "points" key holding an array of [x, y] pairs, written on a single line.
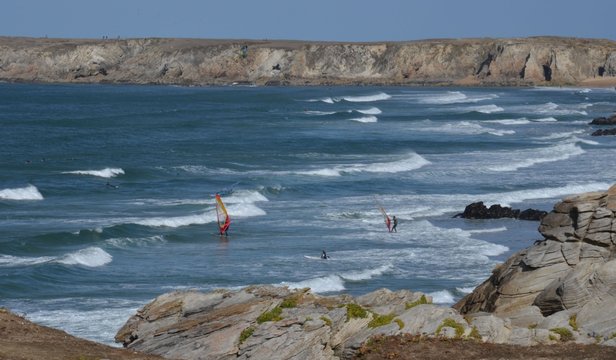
{"points": [[111, 186], [324, 255], [393, 229]]}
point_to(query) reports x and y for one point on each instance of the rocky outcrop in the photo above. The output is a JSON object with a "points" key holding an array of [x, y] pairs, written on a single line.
{"points": [[265, 322], [268, 323], [478, 210], [604, 132], [527, 61], [567, 279], [611, 120]]}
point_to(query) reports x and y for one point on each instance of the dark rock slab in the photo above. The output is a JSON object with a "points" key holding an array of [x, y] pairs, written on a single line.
{"points": [[478, 210], [604, 132], [604, 121]]}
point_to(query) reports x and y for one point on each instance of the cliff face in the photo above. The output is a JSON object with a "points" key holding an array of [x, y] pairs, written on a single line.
{"points": [[530, 61], [570, 273]]}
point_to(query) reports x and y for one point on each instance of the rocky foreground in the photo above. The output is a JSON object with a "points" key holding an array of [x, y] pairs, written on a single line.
{"points": [[550, 61], [561, 289]]}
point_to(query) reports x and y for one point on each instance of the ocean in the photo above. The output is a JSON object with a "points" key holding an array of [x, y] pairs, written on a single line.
{"points": [[107, 191]]}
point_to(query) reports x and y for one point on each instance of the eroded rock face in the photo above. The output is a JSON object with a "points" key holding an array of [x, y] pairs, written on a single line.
{"points": [[572, 270], [528, 61]]}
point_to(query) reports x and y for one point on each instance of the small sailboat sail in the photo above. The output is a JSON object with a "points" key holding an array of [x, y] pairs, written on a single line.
{"points": [[224, 221], [385, 216]]}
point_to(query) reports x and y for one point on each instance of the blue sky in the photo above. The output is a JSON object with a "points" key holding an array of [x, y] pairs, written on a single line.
{"points": [[319, 20]]}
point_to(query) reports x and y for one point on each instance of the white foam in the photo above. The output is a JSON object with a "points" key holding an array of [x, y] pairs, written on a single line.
{"points": [[244, 197], [178, 221], [367, 98], [335, 282], [331, 283], [366, 274], [91, 257], [549, 154], [235, 210], [365, 119], [10, 261], [521, 121], [98, 325], [481, 231], [485, 109], [442, 297], [319, 113], [555, 109], [454, 97], [507, 198], [560, 135], [371, 111], [465, 290], [29, 192], [467, 128], [327, 100], [126, 242], [546, 119], [105, 173], [411, 162]]}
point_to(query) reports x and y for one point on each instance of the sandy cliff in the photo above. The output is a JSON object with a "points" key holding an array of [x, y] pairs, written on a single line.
{"points": [[529, 61]]}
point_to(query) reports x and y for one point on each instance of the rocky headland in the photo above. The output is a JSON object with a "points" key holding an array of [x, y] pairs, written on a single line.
{"points": [[549, 61], [561, 289]]}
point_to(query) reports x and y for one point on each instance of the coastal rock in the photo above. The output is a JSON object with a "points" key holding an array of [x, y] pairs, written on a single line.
{"points": [[611, 120], [478, 210], [271, 322], [572, 272], [604, 132], [513, 62]]}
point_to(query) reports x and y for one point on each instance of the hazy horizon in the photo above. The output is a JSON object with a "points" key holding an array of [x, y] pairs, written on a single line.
{"points": [[318, 20]]}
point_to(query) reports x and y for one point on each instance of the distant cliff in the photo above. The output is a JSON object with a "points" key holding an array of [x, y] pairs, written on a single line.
{"points": [[548, 61]]}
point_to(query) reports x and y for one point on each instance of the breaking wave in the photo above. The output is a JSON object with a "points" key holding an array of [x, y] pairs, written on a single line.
{"points": [[90, 257], [548, 154], [412, 162], [26, 193], [335, 282], [105, 173]]}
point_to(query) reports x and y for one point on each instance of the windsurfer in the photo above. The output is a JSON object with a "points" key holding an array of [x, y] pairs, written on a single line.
{"points": [[324, 255], [393, 228]]}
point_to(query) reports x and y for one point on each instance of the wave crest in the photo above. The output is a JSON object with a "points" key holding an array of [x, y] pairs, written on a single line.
{"points": [[26, 193], [104, 173]]}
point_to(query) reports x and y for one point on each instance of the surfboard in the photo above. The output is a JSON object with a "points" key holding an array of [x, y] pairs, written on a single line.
{"points": [[316, 257]]}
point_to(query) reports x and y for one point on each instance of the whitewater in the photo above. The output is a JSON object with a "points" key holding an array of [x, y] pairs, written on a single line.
{"points": [[107, 192]]}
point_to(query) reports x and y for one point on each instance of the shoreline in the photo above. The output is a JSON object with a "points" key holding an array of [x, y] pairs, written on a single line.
{"points": [[486, 62]]}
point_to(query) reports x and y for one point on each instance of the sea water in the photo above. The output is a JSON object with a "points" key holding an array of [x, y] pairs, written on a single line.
{"points": [[107, 192]]}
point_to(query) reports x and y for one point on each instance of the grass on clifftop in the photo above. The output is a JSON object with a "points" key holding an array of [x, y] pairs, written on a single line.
{"points": [[422, 300], [272, 315], [380, 320], [355, 311], [246, 333], [449, 322], [565, 334]]}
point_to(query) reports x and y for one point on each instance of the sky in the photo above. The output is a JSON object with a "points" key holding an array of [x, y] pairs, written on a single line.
{"points": [[316, 20]]}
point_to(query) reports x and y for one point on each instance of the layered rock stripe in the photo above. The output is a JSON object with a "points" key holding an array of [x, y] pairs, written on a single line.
{"points": [[569, 274], [494, 62]]}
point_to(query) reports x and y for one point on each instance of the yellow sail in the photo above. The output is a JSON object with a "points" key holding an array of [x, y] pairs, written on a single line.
{"points": [[224, 221]]}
